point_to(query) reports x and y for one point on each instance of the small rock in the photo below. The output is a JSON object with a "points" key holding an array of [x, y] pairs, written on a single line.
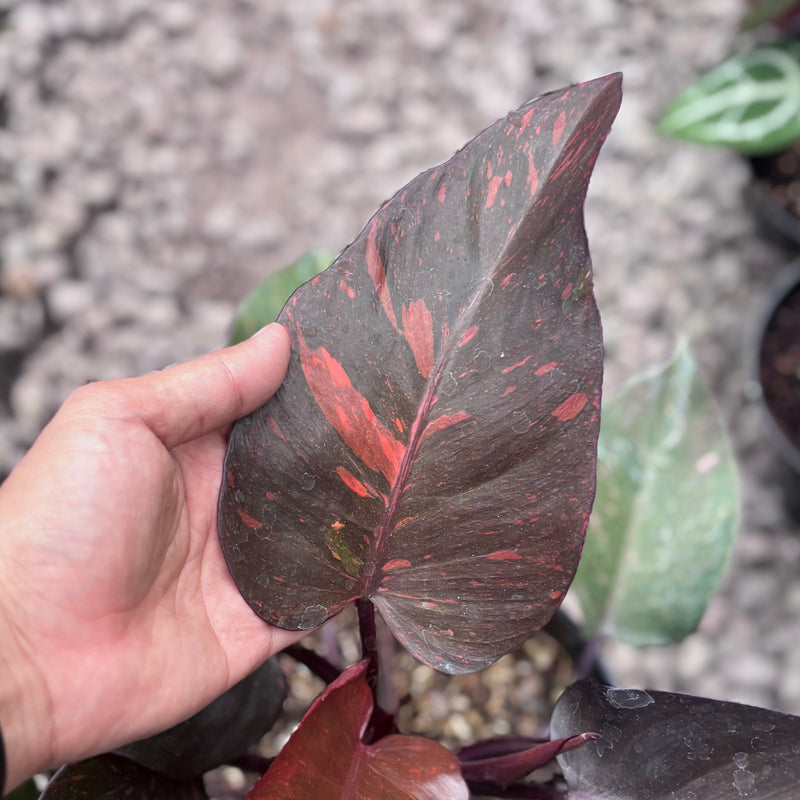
{"points": [[29, 22], [99, 188], [275, 79], [176, 17], [237, 142], [756, 590], [261, 235], [21, 323], [67, 298], [432, 35], [694, 658], [221, 55], [27, 278], [220, 222], [95, 20], [753, 670]]}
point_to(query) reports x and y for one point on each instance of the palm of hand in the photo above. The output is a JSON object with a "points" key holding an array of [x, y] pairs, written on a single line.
{"points": [[130, 572], [122, 603]]}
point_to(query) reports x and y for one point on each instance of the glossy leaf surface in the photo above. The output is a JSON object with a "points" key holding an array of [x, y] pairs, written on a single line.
{"points": [[666, 510], [750, 102], [325, 758], [113, 777], [265, 302], [221, 731], [433, 445], [663, 746]]}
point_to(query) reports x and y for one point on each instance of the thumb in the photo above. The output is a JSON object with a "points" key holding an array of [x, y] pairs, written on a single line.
{"points": [[188, 400]]}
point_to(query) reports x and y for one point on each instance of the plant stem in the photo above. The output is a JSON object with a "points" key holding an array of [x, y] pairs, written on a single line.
{"points": [[380, 723], [318, 665], [583, 656], [587, 666], [387, 691], [369, 642]]}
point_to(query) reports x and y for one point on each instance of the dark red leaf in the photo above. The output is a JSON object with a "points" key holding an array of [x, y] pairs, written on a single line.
{"points": [[499, 746], [218, 733], [433, 445], [112, 777], [512, 767], [660, 746], [325, 759]]}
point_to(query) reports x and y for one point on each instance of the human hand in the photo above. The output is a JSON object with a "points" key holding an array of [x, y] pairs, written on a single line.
{"points": [[118, 616]]}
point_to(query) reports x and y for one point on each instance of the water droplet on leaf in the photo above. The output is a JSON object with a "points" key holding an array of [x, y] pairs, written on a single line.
{"points": [[628, 698], [520, 422], [313, 617], [743, 781], [235, 554], [481, 361], [449, 385]]}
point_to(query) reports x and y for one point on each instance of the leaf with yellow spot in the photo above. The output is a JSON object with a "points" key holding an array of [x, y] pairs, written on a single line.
{"points": [[433, 445]]}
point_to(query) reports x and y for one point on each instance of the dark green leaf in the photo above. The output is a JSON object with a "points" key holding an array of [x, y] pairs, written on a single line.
{"points": [[265, 302], [666, 510], [750, 102], [767, 11], [26, 791], [221, 731], [326, 759], [663, 746], [113, 777], [433, 445]]}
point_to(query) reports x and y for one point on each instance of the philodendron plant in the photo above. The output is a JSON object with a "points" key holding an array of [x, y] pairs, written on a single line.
{"points": [[432, 454]]}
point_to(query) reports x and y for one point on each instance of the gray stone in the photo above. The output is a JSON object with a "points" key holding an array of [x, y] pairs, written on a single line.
{"points": [[177, 16], [68, 298], [220, 54], [21, 322]]}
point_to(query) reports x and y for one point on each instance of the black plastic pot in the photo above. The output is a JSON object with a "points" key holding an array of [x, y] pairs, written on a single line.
{"points": [[777, 378], [584, 654], [774, 193]]}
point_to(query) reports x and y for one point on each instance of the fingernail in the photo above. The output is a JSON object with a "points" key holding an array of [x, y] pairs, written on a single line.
{"points": [[265, 328]]}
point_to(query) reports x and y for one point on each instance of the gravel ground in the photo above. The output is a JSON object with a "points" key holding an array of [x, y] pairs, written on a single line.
{"points": [[158, 158]]}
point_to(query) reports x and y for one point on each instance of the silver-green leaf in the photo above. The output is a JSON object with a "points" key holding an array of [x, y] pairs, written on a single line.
{"points": [[666, 509], [749, 102]]}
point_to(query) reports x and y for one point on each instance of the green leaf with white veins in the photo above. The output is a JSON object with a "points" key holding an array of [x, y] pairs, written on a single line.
{"points": [[666, 509], [749, 102]]}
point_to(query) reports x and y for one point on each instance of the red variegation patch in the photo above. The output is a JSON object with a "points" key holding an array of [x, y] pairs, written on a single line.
{"points": [[433, 446]]}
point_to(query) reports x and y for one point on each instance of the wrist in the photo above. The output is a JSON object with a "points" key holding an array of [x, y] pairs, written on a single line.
{"points": [[24, 714]]}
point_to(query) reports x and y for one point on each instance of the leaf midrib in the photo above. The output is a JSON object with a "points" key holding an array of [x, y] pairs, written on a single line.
{"points": [[376, 558], [369, 579]]}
